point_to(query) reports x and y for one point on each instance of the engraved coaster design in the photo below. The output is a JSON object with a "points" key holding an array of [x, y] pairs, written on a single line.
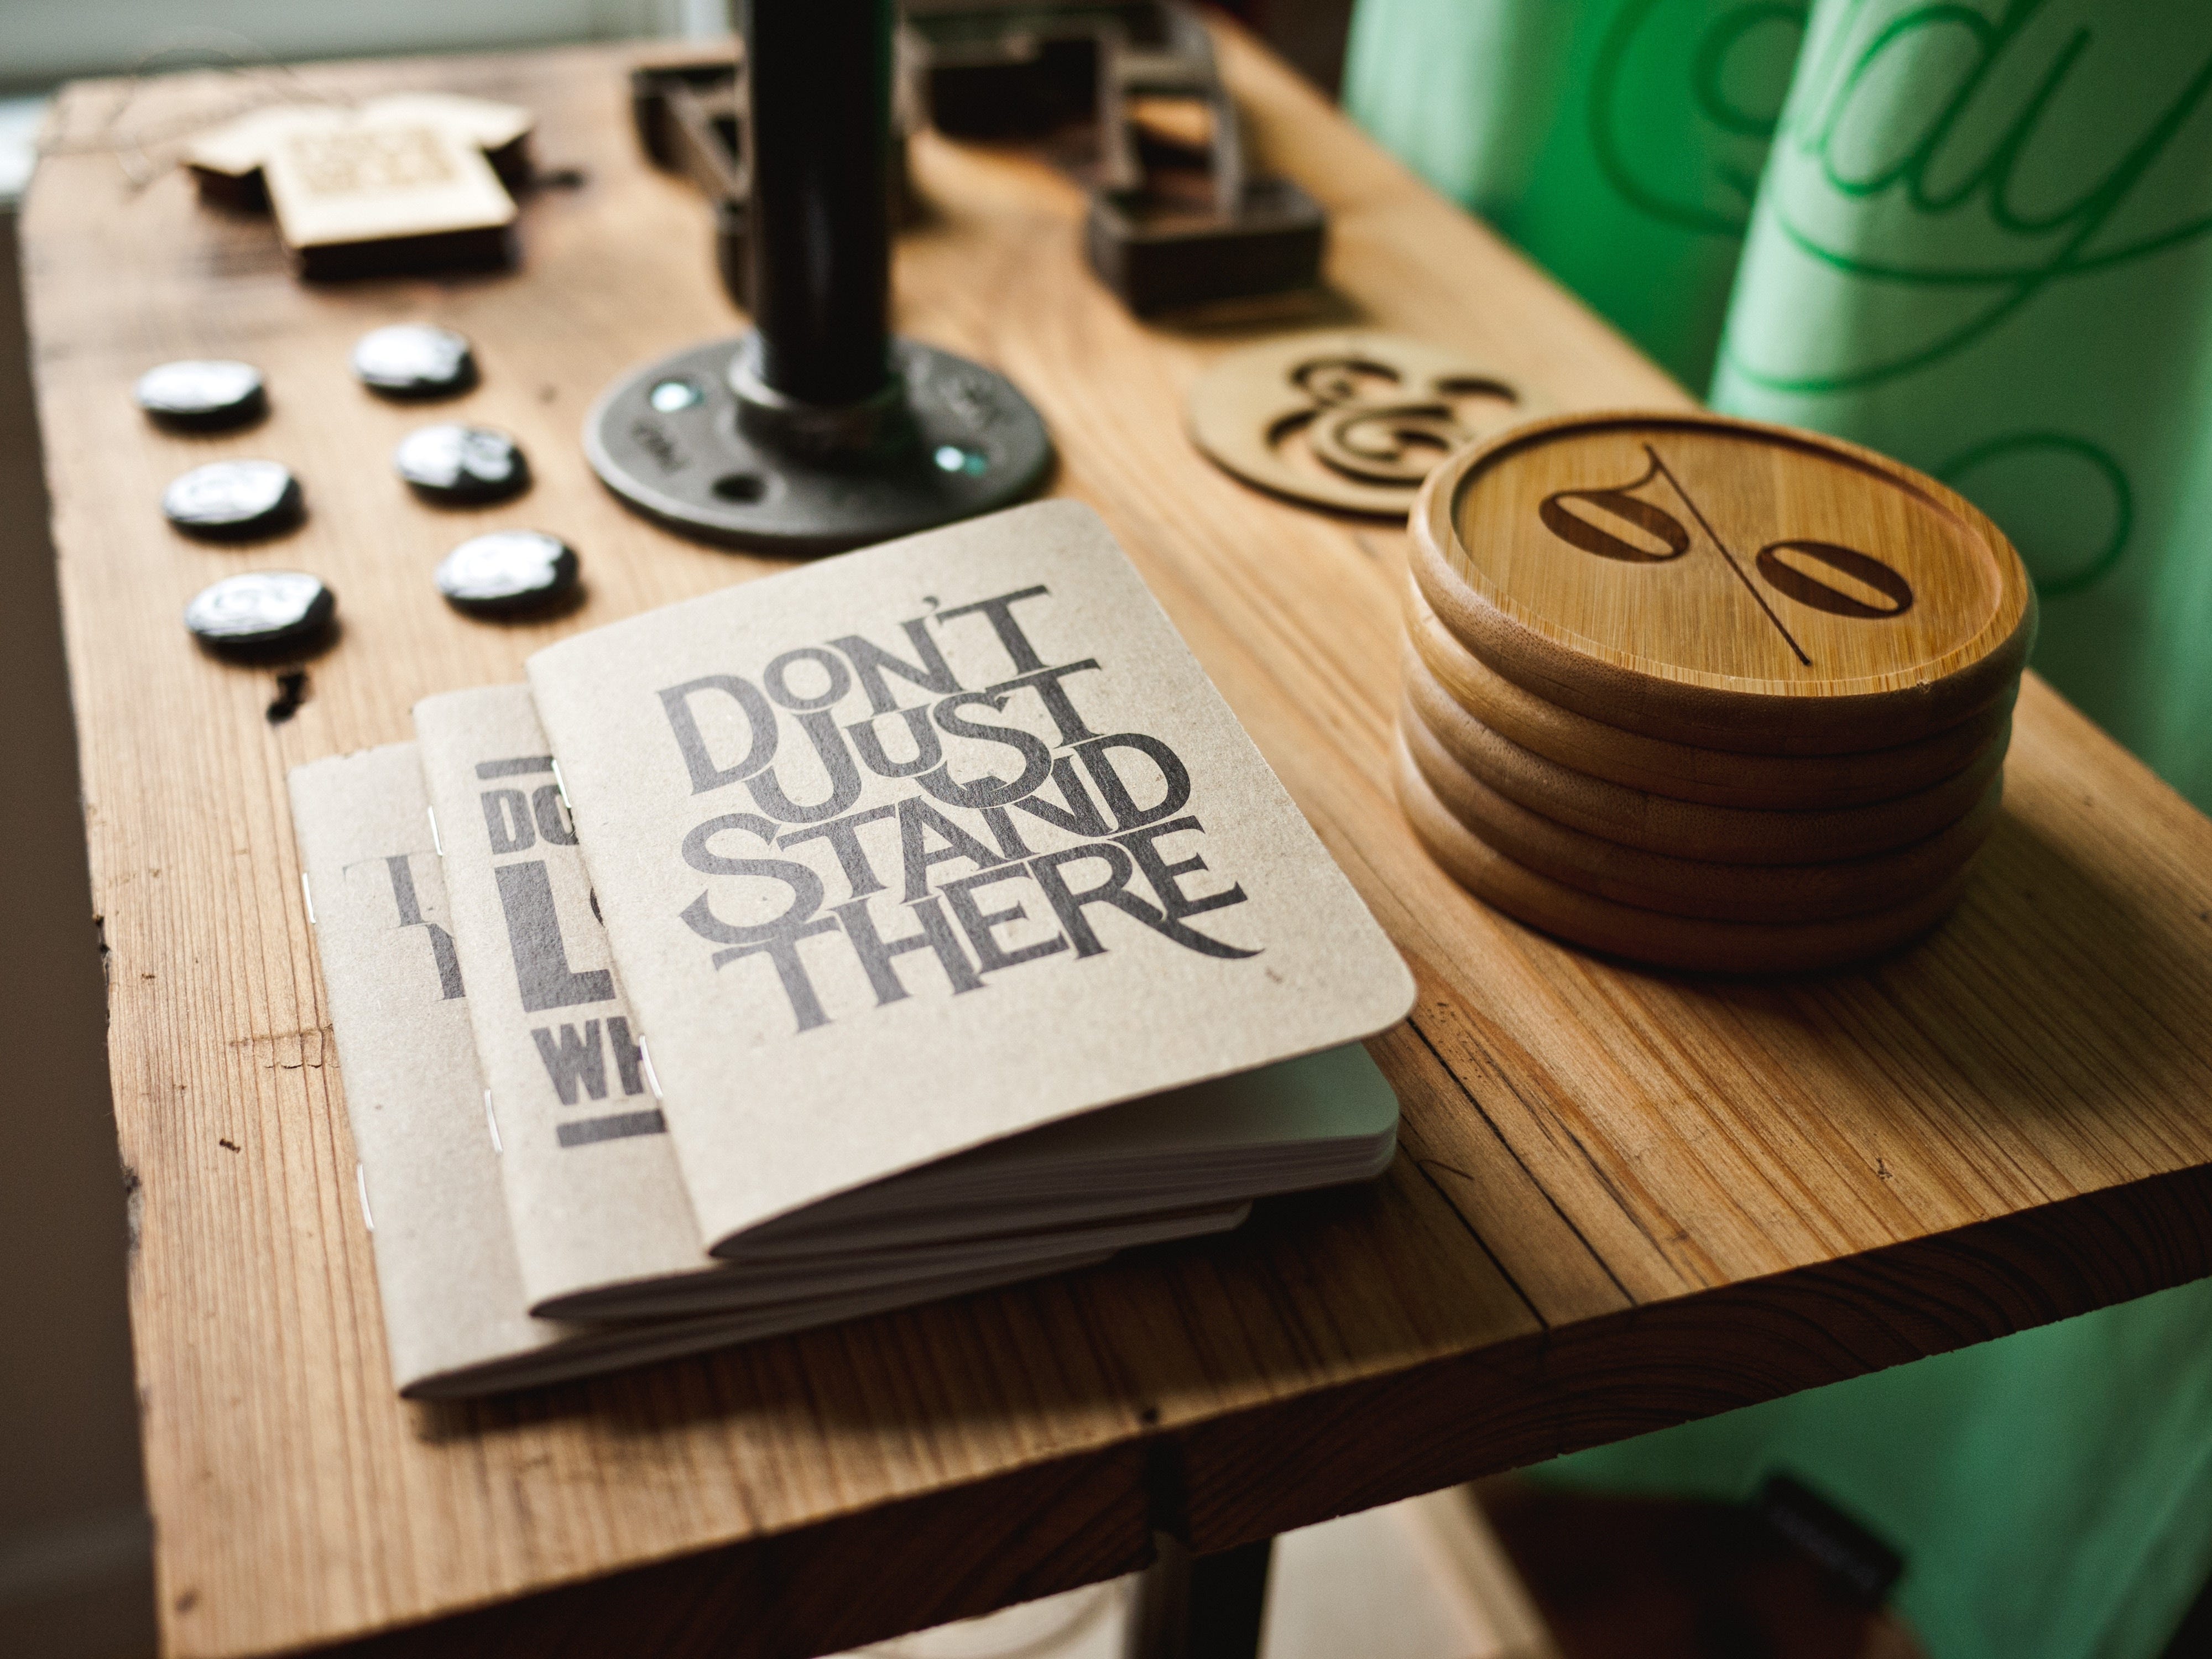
{"points": [[1351, 420], [1723, 584]]}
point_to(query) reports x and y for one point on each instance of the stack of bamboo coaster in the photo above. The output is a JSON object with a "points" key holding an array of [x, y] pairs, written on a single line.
{"points": [[1704, 693]]}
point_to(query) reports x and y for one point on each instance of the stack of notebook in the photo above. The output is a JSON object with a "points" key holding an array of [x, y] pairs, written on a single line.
{"points": [[913, 922]]}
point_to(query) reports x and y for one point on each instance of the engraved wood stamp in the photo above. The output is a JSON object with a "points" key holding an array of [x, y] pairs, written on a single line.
{"points": [[413, 181]]}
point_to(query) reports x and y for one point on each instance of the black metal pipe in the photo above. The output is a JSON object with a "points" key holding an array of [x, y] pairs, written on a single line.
{"points": [[1199, 1606], [817, 139]]}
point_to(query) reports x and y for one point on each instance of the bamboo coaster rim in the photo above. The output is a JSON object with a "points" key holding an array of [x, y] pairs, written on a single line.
{"points": [[1692, 829], [1695, 888], [1695, 707], [1583, 921], [1684, 771]]}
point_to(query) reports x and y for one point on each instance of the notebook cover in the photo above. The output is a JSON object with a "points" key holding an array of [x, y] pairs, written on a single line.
{"points": [[446, 1267], [918, 846], [593, 1188]]}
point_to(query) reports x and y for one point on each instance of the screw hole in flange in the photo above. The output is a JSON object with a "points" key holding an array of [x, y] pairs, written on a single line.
{"points": [[959, 459], [740, 486]]}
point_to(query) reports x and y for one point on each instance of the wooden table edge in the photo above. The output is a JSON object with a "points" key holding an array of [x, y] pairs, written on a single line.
{"points": [[788, 1592], [1471, 1414]]}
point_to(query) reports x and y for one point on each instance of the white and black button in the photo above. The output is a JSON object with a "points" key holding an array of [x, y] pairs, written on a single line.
{"points": [[234, 500], [203, 395], [262, 611], [412, 360], [507, 573], [455, 466]]}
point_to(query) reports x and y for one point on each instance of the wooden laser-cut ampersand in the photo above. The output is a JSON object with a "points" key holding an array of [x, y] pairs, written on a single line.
{"points": [[1349, 421]]}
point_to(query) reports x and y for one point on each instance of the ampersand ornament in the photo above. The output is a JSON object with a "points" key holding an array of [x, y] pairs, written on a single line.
{"points": [[1352, 420], [1724, 583]]}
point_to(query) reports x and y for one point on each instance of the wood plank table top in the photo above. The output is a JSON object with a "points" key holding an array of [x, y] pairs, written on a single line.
{"points": [[1624, 1200]]}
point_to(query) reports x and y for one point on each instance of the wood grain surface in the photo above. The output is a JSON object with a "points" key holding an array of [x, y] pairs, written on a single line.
{"points": [[1691, 829], [1724, 582], [1718, 777], [1678, 886], [1702, 944], [1624, 1198]]}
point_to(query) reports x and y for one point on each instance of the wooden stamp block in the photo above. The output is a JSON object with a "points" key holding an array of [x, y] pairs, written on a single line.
{"points": [[414, 181]]}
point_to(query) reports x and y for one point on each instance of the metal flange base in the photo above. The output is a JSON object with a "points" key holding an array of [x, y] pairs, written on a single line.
{"points": [[666, 439]]}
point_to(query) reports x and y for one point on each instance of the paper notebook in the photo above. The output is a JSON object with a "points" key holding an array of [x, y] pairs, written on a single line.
{"points": [[919, 847], [918, 922], [455, 1309], [601, 1220]]}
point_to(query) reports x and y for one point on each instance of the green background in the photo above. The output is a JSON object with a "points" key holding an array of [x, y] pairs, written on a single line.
{"points": [[1973, 235]]}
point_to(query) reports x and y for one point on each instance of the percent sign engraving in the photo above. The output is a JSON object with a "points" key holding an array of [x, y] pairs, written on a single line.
{"points": [[1622, 503]]}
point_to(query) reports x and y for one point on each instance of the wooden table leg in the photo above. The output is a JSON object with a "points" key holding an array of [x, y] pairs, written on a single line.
{"points": [[1200, 1606]]}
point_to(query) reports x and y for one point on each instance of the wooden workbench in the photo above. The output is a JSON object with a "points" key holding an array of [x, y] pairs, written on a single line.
{"points": [[1624, 1200]]}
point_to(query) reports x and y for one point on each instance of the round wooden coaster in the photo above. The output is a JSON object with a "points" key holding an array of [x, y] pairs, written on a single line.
{"points": [[1349, 419], [1718, 777], [1647, 936], [1691, 829], [1692, 887], [1724, 583]]}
